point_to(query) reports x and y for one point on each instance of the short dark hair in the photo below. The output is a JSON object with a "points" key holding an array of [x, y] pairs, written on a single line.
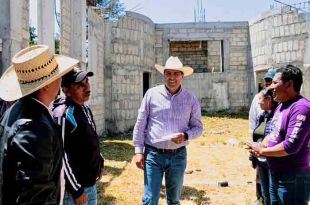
{"points": [[267, 92], [293, 73]]}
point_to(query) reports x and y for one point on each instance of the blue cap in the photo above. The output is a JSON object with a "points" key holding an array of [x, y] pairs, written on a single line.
{"points": [[270, 73]]}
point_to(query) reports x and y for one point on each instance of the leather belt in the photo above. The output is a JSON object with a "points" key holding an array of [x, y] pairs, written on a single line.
{"points": [[159, 150]]}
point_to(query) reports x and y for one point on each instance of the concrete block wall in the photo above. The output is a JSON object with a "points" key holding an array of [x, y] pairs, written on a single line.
{"points": [[278, 37], [239, 49], [214, 56], [306, 68], [96, 64], [233, 86], [217, 91], [191, 53], [131, 52]]}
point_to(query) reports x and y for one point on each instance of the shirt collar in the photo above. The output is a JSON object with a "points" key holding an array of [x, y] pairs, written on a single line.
{"points": [[177, 93], [48, 109]]}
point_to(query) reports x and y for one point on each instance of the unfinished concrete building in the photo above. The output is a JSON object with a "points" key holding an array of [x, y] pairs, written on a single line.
{"points": [[228, 57]]}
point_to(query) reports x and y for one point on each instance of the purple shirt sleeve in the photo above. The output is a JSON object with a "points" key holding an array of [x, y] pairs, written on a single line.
{"points": [[298, 129]]}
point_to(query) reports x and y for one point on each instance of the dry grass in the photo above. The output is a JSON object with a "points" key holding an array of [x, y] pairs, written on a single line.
{"points": [[217, 155]]}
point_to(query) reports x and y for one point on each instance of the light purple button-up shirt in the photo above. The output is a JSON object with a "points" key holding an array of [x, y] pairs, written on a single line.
{"points": [[162, 114]]}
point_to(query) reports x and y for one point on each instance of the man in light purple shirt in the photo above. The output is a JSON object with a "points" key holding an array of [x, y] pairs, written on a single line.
{"points": [[287, 147], [168, 118]]}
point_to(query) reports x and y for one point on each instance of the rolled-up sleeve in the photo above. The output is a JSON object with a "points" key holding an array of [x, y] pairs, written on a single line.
{"points": [[140, 126], [298, 130]]}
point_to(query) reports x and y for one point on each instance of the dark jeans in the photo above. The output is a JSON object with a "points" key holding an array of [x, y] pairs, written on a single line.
{"points": [[91, 193], [263, 173], [157, 165], [290, 188]]}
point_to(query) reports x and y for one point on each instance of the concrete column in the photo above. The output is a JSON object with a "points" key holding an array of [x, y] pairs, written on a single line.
{"points": [[14, 29], [79, 30], [46, 23], [73, 29]]}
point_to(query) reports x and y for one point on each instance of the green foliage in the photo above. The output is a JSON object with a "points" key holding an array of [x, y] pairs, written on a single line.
{"points": [[57, 46], [33, 39], [242, 113], [32, 36]]}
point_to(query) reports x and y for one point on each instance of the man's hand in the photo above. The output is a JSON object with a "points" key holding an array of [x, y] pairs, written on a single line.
{"points": [[255, 148], [81, 200], [139, 161], [178, 138]]}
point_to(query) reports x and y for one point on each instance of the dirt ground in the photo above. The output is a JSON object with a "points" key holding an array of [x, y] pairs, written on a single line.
{"points": [[217, 156]]}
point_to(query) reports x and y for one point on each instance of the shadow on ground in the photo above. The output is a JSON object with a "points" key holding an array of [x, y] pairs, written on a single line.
{"points": [[117, 151], [114, 150], [107, 200], [190, 194]]}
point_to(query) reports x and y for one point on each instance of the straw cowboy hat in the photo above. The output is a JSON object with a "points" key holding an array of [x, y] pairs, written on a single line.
{"points": [[174, 63], [33, 68]]}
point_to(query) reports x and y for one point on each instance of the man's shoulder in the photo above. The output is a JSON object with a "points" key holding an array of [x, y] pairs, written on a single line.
{"points": [[188, 94], [302, 103], [156, 89], [59, 111]]}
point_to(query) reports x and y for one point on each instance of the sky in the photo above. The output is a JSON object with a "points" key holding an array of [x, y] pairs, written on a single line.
{"points": [[175, 11]]}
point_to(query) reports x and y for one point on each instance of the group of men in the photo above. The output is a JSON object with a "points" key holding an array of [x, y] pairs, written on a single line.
{"points": [[34, 146], [47, 157]]}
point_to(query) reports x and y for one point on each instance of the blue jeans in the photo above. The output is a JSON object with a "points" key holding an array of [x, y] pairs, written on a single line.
{"points": [[156, 165], [263, 173], [290, 188], [91, 193]]}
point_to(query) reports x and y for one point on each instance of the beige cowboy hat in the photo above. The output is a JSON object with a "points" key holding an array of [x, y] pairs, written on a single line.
{"points": [[174, 63], [33, 68]]}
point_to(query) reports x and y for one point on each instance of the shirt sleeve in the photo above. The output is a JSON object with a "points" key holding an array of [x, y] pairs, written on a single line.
{"points": [[138, 131], [195, 124], [297, 130], [72, 170], [253, 113]]}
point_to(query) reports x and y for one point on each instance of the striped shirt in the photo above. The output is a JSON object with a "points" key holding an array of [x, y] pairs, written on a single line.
{"points": [[162, 114]]}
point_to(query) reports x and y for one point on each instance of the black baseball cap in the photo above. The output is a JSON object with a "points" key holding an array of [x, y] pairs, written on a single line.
{"points": [[75, 76]]}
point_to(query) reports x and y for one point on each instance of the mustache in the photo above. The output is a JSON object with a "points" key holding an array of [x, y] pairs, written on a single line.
{"points": [[87, 92]]}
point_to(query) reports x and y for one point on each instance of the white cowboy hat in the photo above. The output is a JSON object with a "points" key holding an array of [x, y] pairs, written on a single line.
{"points": [[33, 68], [174, 63]]}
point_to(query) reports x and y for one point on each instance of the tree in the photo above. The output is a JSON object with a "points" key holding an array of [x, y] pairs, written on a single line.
{"points": [[57, 46], [112, 8], [32, 36]]}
